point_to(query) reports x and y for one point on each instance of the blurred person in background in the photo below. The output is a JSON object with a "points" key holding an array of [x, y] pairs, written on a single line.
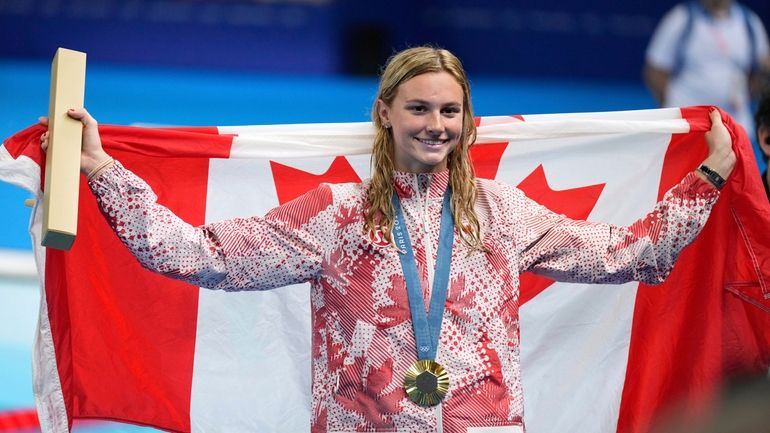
{"points": [[742, 407], [762, 119], [709, 52]]}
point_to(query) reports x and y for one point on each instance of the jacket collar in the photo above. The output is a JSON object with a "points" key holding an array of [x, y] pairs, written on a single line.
{"points": [[408, 185]]}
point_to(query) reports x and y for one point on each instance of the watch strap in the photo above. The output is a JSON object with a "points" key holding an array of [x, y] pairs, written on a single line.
{"points": [[712, 176]]}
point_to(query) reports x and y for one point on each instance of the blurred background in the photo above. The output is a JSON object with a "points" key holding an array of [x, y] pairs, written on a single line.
{"points": [[228, 62]]}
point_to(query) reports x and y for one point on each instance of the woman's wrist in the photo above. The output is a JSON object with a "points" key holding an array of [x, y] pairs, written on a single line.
{"points": [[99, 169], [721, 162], [91, 163], [716, 168]]}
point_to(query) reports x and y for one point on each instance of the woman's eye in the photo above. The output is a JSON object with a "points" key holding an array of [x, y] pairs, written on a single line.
{"points": [[417, 108]]}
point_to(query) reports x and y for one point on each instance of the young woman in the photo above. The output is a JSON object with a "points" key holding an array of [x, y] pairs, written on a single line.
{"points": [[414, 273]]}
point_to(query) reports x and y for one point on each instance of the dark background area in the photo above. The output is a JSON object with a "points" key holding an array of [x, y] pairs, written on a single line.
{"points": [[597, 39]]}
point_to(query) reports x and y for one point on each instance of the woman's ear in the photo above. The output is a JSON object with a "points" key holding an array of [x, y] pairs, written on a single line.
{"points": [[384, 112]]}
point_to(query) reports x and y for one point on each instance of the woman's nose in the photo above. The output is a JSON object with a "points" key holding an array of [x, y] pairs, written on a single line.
{"points": [[435, 123]]}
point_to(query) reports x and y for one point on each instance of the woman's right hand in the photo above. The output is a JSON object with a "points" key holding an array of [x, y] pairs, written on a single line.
{"points": [[721, 157], [92, 154]]}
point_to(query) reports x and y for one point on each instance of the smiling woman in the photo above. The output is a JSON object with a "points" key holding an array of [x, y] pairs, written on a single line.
{"points": [[426, 120], [423, 121], [375, 359], [376, 363]]}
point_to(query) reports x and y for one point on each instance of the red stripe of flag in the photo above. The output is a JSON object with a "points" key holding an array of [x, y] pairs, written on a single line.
{"points": [[21, 419], [688, 333], [125, 337]]}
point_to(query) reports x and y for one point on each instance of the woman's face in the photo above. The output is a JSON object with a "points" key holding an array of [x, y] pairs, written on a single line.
{"points": [[426, 119]]}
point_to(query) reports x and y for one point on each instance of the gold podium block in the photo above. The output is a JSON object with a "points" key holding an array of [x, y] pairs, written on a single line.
{"points": [[62, 165]]}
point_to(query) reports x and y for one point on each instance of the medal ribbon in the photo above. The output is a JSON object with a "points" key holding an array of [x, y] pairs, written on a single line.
{"points": [[427, 327]]}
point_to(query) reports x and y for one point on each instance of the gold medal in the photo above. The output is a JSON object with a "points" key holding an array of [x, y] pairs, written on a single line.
{"points": [[426, 382]]}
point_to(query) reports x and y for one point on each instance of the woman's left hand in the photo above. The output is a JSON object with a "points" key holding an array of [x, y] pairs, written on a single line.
{"points": [[721, 157]]}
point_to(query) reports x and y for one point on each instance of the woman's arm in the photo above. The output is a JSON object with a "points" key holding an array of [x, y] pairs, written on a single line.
{"points": [[579, 251], [240, 254]]}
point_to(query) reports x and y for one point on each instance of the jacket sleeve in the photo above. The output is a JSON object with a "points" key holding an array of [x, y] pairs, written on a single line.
{"points": [[580, 251], [240, 254]]}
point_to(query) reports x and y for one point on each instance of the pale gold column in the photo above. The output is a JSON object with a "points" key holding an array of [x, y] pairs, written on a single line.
{"points": [[62, 166]]}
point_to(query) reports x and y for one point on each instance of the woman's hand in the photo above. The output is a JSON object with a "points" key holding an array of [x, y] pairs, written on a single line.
{"points": [[92, 154], [721, 157]]}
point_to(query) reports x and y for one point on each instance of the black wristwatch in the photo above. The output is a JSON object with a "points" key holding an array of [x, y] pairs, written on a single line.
{"points": [[713, 177]]}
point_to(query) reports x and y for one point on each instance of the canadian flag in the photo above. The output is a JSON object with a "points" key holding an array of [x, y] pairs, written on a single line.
{"points": [[117, 342]]}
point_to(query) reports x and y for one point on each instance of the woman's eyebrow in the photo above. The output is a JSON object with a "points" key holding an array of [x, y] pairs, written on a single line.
{"points": [[422, 101]]}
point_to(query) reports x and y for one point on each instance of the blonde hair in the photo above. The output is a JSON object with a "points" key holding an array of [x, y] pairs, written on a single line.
{"points": [[400, 68]]}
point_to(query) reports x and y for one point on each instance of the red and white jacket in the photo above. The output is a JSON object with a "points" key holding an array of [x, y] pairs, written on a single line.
{"points": [[362, 342]]}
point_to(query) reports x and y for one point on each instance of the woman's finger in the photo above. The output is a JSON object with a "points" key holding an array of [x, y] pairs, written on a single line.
{"points": [[716, 116], [82, 115], [44, 140], [717, 135]]}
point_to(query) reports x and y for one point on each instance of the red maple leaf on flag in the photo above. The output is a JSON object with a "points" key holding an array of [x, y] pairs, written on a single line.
{"points": [[291, 182], [486, 159]]}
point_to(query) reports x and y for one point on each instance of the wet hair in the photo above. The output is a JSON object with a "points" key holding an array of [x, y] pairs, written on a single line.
{"points": [[400, 68]]}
